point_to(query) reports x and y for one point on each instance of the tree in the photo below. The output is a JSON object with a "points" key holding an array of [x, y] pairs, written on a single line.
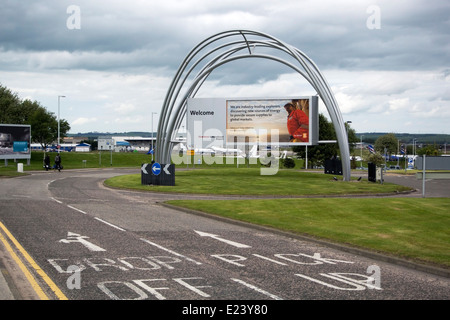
{"points": [[44, 124], [44, 127], [9, 103], [352, 138], [429, 150], [375, 158], [319, 153], [388, 142], [25, 110]]}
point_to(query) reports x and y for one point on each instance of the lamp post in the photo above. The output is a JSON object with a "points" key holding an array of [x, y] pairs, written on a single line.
{"points": [[361, 150], [59, 147], [414, 147], [347, 124], [153, 136], [346, 127]]}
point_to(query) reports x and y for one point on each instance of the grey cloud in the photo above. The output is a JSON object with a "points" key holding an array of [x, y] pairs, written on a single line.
{"points": [[157, 35], [151, 38]]}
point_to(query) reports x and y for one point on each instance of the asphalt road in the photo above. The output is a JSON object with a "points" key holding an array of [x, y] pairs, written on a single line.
{"points": [[89, 242], [433, 187]]}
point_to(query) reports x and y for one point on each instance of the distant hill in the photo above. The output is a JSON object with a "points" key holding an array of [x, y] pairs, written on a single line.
{"points": [[94, 135], [422, 138], [368, 137]]}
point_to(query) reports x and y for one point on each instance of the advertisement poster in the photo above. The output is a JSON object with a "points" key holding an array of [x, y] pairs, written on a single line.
{"points": [[15, 141], [233, 122], [294, 120]]}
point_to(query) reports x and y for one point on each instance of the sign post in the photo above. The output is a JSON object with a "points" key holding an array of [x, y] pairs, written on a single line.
{"points": [[158, 174]]}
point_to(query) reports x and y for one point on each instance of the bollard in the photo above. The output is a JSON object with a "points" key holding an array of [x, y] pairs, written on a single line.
{"points": [[20, 167]]}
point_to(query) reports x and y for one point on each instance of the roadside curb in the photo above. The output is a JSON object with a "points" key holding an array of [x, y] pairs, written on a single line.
{"points": [[13, 283]]}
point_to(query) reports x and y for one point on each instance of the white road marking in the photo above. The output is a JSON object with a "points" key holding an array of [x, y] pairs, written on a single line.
{"points": [[109, 224], [56, 200], [76, 209], [257, 289], [235, 244], [271, 260], [75, 237], [170, 251]]}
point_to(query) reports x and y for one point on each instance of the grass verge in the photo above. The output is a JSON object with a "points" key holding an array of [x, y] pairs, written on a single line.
{"points": [[411, 228], [249, 181], [79, 160]]}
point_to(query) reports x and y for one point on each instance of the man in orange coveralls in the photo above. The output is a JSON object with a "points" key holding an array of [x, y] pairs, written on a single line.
{"points": [[297, 123]]}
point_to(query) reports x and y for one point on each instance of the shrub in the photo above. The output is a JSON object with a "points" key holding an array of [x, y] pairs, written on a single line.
{"points": [[288, 163]]}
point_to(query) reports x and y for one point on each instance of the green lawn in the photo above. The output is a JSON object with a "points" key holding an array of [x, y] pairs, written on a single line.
{"points": [[249, 181], [78, 160], [412, 228]]}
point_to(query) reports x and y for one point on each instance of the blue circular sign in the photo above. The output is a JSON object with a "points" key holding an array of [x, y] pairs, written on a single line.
{"points": [[156, 168]]}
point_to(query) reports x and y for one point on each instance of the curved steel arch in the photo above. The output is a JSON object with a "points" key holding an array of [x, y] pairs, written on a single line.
{"points": [[174, 106]]}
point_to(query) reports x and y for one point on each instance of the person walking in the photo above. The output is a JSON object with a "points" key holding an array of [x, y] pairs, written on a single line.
{"points": [[46, 162], [58, 162]]}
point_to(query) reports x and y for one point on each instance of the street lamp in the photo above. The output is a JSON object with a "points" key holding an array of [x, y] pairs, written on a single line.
{"points": [[414, 146], [59, 147], [361, 150], [347, 124], [346, 127], [153, 145]]}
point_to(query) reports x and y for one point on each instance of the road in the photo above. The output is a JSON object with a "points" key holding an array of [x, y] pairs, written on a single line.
{"points": [[89, 242], [433, 187]]}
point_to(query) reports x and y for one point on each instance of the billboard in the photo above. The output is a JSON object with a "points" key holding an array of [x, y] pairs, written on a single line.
{"points": [[221, 122], [105, 143], [15, 141]]}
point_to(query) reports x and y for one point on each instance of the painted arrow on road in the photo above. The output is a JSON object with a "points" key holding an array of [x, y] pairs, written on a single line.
{"points": [[236, 244], [75, 237]]}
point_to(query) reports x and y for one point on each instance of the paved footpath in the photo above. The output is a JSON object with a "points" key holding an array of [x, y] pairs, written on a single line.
{"points": [[5, 292]]}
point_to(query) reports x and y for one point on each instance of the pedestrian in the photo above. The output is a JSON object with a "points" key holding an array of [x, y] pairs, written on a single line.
{"points": [[58, 162], [46, 162]]}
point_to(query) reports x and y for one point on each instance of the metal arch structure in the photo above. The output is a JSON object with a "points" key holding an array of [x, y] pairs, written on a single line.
{"points": [[226, 47]]}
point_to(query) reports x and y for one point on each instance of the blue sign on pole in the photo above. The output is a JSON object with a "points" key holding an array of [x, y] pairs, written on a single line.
{"points": [[156, 168]]}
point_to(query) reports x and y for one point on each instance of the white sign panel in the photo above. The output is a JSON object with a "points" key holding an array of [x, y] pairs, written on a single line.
{"points": [[206, 122], [105, 144], [221, 122]]}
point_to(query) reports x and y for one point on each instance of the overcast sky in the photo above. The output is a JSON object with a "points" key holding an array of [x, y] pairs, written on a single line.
{"points": [[387, 62]]}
